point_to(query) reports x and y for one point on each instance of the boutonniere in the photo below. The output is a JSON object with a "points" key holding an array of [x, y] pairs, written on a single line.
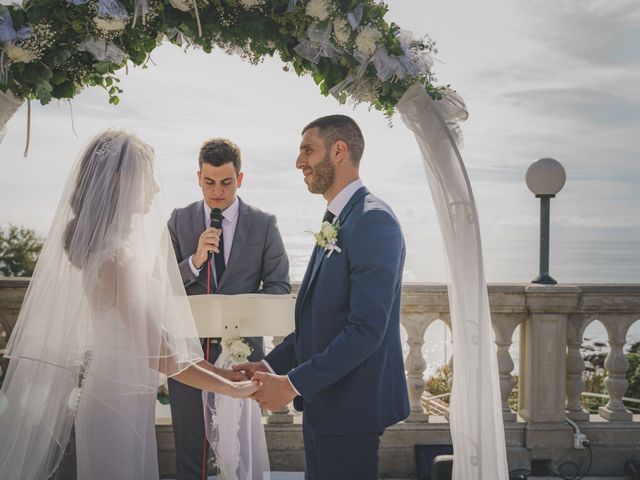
{"points": [[327, 237]]}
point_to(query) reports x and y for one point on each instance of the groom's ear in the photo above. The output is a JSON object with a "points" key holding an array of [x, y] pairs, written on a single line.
{"points": [[239, 179], [340, 151]]}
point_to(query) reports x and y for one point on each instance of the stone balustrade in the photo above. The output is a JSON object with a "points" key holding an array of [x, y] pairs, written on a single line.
{"points": [[552, 321]]}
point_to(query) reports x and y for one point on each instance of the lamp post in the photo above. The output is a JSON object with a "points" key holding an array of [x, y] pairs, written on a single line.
{"points": [[545, 178]]}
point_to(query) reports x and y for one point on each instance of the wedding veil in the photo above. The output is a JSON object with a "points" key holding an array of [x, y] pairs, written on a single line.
{"points": [[104, 315]]}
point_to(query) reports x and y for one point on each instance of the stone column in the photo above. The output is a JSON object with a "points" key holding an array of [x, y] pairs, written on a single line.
{"points": [[575, 367], [503, 327], [282, 416], [617, 365], [416, 325], [543, 343]]}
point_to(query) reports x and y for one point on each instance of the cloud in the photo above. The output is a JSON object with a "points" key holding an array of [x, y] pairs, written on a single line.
{"points": [[598, 31], [581, 104]]}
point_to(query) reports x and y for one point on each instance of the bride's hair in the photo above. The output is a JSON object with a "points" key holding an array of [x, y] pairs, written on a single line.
{"points": [[96, 195]]}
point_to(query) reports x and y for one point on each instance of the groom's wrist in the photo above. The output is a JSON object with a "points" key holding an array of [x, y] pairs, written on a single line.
{"points": [[293, 386], [266, 364]]}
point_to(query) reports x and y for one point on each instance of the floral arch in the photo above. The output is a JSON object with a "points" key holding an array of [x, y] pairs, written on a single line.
{"points": [[56, 48]]}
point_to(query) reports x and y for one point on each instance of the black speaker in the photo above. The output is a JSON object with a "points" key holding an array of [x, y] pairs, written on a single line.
{"points": [[632, 469], [425, 455], [442, 468]]}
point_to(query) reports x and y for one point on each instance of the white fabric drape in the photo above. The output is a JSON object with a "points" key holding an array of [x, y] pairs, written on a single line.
{"points": [[104, 314], [235, 432], [476, 410], [9, 105]]}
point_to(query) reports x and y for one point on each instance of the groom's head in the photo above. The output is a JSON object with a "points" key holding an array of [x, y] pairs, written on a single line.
{"points": [[330, 154], [219, 176]]}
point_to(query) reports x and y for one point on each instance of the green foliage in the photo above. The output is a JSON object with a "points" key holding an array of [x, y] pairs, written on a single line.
{"points": [[162, 395], [440, 382], [633, 375], [19, 250], [594, 383], [57, 66]]}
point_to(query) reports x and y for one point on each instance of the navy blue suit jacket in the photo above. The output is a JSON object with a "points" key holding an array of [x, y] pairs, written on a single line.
{"points": [[345, 355]]}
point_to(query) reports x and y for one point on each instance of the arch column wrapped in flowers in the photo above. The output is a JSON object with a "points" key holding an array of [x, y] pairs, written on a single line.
{"points": [[55, 48]]}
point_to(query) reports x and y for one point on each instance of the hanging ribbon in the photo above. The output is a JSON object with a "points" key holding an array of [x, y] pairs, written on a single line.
{"points": [[26, 147], [388, 67], [355, 17], [318, 44], [7, 33], [112, 9], [180, 39], [341, 87], [292, 4], [195, 10], [103, 50], [142, 7], [415, 62], [73, 125]]}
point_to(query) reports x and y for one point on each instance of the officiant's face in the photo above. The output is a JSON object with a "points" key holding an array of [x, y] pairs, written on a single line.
{"points": [[315, 162], [219, 184]]}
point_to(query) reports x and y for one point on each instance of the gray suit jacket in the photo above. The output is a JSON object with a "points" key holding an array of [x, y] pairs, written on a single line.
{"points": [[258, 262]]}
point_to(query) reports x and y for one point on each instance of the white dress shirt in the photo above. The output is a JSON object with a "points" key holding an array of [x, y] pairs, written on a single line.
{"points": [[229, 223], [340, 201], [335, 206]]}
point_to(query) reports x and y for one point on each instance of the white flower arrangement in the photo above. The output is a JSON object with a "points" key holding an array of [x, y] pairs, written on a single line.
{"points": [[238, 348], [327, 237], [367, 40], [18, 54], [341, 31], [366, 90], [319, 9], [32, 47], [249, 4], [108, 25], [182, 5]]}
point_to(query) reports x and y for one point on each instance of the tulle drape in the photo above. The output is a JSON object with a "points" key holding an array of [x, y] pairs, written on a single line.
{"points": [[104, 314], [235, 432], [476, 408]]}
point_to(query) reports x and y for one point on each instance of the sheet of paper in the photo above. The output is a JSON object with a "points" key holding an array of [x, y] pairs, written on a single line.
{"points": [[246, 315]]}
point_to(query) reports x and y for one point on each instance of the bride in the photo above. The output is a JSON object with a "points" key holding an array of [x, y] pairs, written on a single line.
{"points": [[104, 317]]}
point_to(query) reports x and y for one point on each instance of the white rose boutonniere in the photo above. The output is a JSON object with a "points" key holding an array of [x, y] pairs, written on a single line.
{"points": [[238, 349], [327, 237]]}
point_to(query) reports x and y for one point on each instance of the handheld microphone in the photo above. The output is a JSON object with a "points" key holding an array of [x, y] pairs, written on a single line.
{"points": [[215, 221]]}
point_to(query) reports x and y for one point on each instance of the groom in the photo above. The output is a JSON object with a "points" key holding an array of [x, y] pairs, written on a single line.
{"points": [[343, 363], [248, 257]]}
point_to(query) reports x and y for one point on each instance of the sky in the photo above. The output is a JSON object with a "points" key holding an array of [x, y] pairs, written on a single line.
{"points": [[540, 78]]}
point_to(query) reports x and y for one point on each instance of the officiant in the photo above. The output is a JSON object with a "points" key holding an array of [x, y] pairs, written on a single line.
{"points": [[247, 256]]}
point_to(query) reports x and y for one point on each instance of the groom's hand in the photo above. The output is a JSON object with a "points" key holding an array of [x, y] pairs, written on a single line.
{"points": [[231, 375], [249, 369], [275, 391]]}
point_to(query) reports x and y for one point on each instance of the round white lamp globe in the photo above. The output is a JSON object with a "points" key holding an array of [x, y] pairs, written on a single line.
{"points": [[546, 177]]}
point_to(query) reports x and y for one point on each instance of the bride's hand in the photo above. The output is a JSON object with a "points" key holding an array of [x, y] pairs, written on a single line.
{"points": [[242, 389], [230, 375]]}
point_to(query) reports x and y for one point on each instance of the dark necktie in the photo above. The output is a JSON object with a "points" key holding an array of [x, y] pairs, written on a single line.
{"points": [[218, 261], [328, 217]]}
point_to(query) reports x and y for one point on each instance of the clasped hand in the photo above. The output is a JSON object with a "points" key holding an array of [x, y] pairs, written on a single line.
{"points": [[274, 392]]}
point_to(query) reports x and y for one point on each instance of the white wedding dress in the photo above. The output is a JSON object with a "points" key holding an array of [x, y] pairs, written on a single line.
{"points": [[104, 315]]}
